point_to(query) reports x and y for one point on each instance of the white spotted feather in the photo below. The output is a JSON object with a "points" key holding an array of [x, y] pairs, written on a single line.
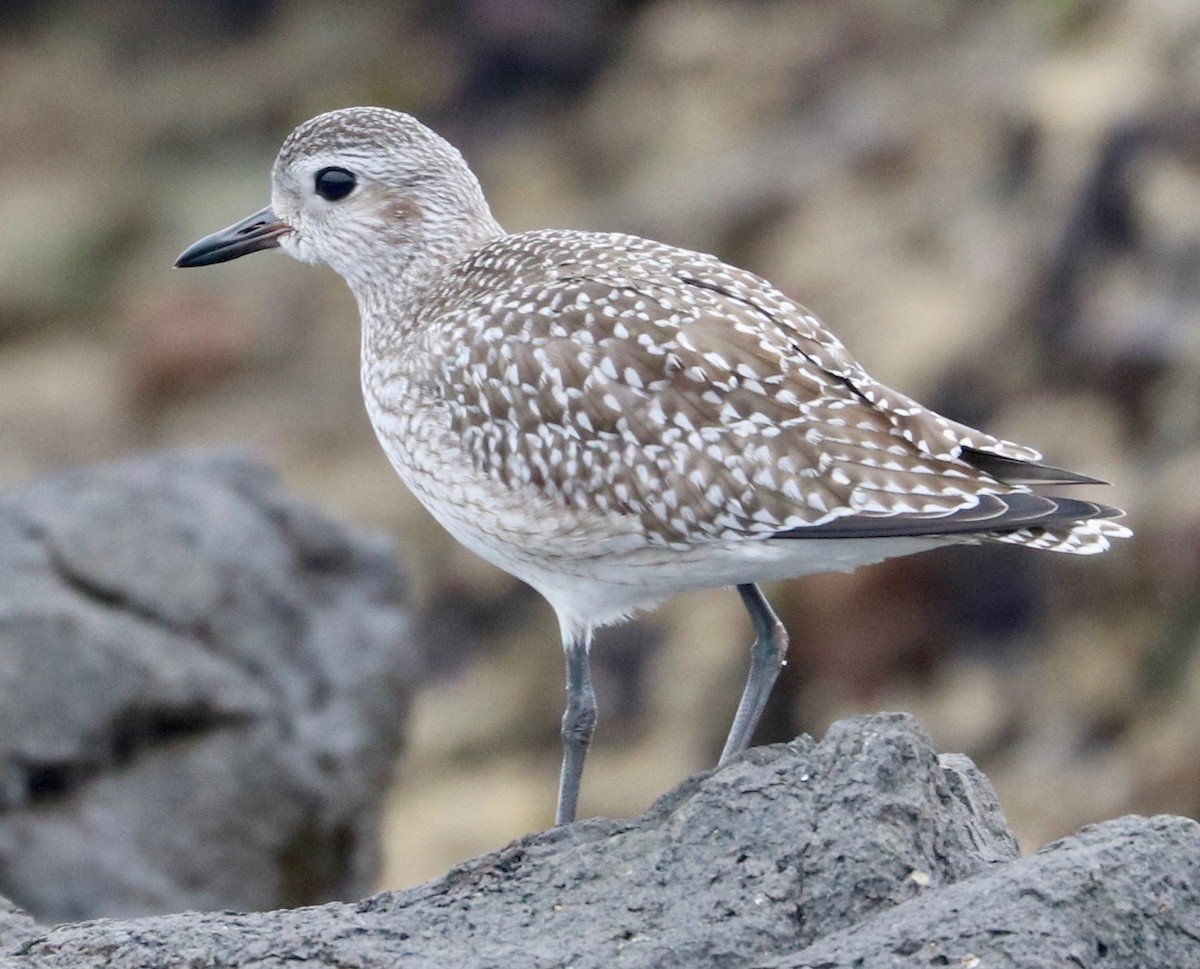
{"points": [[613, 419]]}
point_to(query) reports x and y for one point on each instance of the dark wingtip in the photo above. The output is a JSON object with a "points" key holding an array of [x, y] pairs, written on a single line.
{"points": [[992, 514], [1014, 472]]}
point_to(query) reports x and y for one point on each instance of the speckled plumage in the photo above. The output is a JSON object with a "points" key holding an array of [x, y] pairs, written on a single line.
{"points": [[684, 403], [613, 419]]}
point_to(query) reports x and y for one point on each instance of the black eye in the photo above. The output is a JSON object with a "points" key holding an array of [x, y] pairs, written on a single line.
{"points": [[334, 183]]}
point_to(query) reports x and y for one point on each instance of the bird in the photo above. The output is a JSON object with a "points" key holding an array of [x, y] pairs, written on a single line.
{"points": [[615, 420]]}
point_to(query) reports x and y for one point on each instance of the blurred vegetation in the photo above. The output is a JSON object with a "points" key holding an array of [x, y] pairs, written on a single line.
{"points": [[996, 206]]}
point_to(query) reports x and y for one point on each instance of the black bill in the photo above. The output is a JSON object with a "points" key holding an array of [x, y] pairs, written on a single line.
{"points": [[258, 231]]}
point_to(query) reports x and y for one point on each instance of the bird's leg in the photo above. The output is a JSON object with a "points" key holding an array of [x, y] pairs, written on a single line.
{"points": [[767, 657], [578, 722]]}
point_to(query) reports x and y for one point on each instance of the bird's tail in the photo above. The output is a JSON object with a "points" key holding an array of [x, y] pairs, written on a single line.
{"points": [[1088, 537]]}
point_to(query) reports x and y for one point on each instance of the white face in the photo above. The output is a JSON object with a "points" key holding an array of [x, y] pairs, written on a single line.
{"points": [[342, 210]]}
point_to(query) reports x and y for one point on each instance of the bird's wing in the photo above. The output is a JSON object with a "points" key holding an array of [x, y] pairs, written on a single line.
{"points": [[648, 381]]}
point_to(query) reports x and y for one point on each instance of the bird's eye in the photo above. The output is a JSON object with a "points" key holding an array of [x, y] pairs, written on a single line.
{"points": [[333, 184]]}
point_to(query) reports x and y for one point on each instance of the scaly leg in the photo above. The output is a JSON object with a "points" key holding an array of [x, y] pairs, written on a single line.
{"points": [[578, 722], [767, 657]]}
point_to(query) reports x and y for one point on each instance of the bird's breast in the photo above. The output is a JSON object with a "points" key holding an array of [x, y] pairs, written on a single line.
{"points": [[517, 528]]}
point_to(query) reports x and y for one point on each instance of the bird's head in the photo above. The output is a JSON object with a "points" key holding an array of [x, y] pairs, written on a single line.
{"points": [[367, 191]]}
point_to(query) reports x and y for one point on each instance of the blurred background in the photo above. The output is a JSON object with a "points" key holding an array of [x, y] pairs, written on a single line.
{"points": [[996, 206]]}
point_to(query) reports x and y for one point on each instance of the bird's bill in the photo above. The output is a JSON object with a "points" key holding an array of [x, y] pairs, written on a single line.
{"points": [[261, 230]]}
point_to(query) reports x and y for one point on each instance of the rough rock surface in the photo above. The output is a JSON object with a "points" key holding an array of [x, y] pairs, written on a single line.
{"points": [[864, 850], [203, 685]]}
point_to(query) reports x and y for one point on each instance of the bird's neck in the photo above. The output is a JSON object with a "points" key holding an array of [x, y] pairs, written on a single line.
{"points": [[388, 297]]}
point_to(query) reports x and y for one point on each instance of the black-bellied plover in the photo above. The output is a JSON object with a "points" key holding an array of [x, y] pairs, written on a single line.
{"points": [[614, 420]]}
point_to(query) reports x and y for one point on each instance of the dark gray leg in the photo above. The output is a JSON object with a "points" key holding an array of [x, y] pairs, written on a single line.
{"points": [[767, 657], [578, 722]]}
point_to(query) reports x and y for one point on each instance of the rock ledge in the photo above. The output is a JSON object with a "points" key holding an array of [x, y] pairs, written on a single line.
{"points": [[866, 849]]}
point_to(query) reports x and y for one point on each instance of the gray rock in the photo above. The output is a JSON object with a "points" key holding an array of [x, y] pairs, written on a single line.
{"points": [[864, 850], [203, 685], [16, 928], [1119, 894]]}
